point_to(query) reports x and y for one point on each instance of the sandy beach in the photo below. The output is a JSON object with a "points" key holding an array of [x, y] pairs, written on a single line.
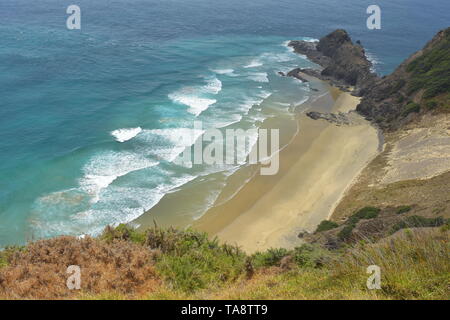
{"points": [[316, 169]]}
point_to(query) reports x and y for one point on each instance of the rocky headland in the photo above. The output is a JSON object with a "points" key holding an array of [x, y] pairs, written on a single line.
{"points": [[344, 64]]}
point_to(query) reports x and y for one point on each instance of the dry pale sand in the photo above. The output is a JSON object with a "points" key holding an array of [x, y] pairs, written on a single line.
{"points": [[420, 152], [315, 171]]}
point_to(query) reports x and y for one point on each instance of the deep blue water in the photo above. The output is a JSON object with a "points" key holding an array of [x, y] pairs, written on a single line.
{"points": [[156, 66]]}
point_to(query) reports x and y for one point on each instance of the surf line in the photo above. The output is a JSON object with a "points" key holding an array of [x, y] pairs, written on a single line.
{"points": [[235, 140]]}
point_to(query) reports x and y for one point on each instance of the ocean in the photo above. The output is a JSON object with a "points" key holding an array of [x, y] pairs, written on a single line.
{"points": [[90, 119]]}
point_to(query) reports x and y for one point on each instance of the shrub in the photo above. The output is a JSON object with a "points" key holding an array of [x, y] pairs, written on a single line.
{"points": [[346, 232], [432, 104], [326, 225], [411, 107], [191, 261], [400, 98], [403, 209], [364, 213], [123, 232], [311, 256], [269, 258]]}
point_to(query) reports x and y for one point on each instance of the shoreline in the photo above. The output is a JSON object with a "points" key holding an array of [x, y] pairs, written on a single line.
{"points": [[270, 211]]}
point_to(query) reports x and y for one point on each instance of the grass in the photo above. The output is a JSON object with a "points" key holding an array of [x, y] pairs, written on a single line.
{"points": [[184, 264], [190, 261], [413, 266]]}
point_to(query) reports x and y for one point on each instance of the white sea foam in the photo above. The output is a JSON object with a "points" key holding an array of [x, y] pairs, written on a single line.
{"points": [[307, 39], [254, 64], [196, 104], [105, 167], [123, 135], [213, 86], [117, 204], [196, 98], [286, 44], [264, 94], [259, 77], [228, 72], [167, 144], [277, 57], [373, 59]]}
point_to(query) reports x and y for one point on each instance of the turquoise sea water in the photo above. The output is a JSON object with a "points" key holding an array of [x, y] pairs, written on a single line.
{"points": [[89, 119]]}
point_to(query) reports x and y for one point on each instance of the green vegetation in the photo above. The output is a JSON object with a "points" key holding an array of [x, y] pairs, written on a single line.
{"points": [[397, 86], [400, 98], [189, 260], [305, 256], [326, 225], [350, 224], [346, 232], [410, 108], [431, 71], [418, 222], [123, 232], [3, 259], [175, 264], [7, 253], [403, 209], [364, 213], [271, 257], [432, 104]]}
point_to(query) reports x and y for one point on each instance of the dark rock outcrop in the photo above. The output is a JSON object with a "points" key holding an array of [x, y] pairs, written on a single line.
{"points": [[344, 63], [338, 119]]}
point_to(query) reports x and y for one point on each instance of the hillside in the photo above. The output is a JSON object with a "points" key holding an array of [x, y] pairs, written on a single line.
{"points": [[171, 264], [419, 85]]}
